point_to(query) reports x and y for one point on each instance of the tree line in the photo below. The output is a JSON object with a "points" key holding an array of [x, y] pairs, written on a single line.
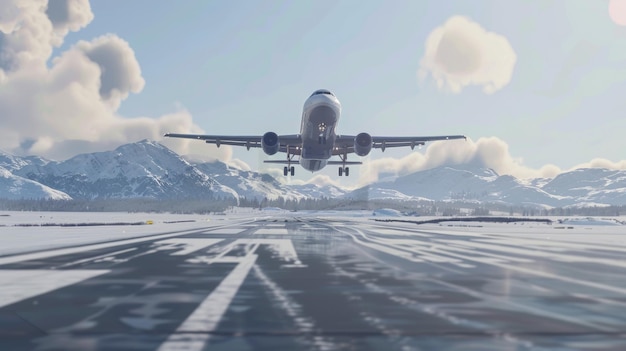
{"points": [[213, 205]]}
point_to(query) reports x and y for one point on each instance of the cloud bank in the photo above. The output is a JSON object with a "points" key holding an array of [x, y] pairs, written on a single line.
{"points": [[488, 152], [59, 106], [461, 53]]}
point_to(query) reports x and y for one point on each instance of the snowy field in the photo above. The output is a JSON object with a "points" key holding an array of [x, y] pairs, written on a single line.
{"points": [[22, 231]]}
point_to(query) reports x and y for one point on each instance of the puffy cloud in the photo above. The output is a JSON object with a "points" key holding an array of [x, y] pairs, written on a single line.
{"points": [[489, 152], [68, 15], [237, 163], [119, 70], [64, 106], [29, 29], [603, 163], [461, 53]]}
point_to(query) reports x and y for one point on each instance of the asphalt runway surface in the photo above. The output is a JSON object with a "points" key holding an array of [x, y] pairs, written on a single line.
{"points": [[304, 283]]}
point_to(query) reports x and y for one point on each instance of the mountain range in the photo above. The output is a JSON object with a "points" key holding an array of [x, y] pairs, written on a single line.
{"points": [[148, 169]]}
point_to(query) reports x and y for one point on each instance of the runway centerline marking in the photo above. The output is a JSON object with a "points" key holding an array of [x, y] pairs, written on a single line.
{"points": [[194, 332]]}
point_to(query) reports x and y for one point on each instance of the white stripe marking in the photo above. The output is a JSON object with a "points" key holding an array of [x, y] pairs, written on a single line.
{"points": [[209, 313], [225, 231], [275, 231], [18, 285], [189, 245], [89, 259], [73, 250]]}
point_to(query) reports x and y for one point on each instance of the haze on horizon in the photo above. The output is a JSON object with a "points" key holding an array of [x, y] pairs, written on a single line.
{"points": [[538, 87]]}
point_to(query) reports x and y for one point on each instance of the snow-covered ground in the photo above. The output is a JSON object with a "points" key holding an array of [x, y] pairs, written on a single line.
{"points": [[16, 238]]}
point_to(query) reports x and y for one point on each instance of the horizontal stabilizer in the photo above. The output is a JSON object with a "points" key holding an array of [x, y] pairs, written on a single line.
{"points": [[284, 162], [341, 163]]}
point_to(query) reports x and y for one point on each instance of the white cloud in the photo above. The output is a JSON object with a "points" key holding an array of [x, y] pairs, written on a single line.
{"points": [[489, 152], [603, 163], [461, 53], [119, 70], [68, 15], [237, 163], [61, 107]]}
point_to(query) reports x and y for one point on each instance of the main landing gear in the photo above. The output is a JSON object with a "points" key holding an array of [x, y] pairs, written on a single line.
{"points": [[343, 169], [289, 170]]}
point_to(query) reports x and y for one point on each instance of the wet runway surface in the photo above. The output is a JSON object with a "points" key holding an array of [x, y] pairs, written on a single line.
{"points": [[294, 283]]}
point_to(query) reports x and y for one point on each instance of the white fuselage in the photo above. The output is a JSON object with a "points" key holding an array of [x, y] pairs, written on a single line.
{"points": [[319, 118]]}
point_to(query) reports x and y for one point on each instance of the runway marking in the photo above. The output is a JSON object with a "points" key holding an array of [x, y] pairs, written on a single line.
{"points": [[547, 253], [381, 231], [76, 249], [283, 247], [18, 285], [194, 332], [106, 256], [275, 231], [208, 315], [490, 300], [462, 259], [226, 231], [189, 245]]}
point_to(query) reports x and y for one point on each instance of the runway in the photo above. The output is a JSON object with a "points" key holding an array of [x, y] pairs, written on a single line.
{"points": [[292, 282]]}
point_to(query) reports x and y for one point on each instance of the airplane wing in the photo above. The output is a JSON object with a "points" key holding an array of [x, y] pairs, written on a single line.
{"points": [[345, 143], [290, 141]]}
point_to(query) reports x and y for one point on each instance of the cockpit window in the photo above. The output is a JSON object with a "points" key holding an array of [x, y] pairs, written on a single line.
{"points": [[322, 91]]}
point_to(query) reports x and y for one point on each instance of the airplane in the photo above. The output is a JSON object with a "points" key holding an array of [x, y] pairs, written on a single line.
{"points": [[317, 141]]}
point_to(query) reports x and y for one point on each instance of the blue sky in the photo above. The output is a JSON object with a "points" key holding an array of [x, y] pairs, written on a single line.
{"points": [[246, 67]]}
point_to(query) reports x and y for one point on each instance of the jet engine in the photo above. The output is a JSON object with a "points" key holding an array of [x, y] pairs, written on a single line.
{"points": [[362, 144], [269, 142]]}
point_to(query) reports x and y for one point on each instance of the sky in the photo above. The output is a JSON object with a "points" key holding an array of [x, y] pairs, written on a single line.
{"points": [[537, 86]]}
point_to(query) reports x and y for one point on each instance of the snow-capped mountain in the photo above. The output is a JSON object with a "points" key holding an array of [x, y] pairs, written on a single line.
{"points": [[148, 169], [471, 183], [142, 169], [590, 185], [252, 185], [16, 188]]}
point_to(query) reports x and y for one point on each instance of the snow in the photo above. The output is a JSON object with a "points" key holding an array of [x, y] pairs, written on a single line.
{"points": [[16, 188], [386, 212], [591, 221], [15, 239], [35, 238]]}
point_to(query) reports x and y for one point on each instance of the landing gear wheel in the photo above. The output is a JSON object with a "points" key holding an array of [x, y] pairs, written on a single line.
{"points": [[340, 171], [292, 171], [285, 171], [346, 170]]}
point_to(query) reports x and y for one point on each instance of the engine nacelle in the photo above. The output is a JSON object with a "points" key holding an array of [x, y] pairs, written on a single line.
{"points": [[362, 144], [270, 144]]}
